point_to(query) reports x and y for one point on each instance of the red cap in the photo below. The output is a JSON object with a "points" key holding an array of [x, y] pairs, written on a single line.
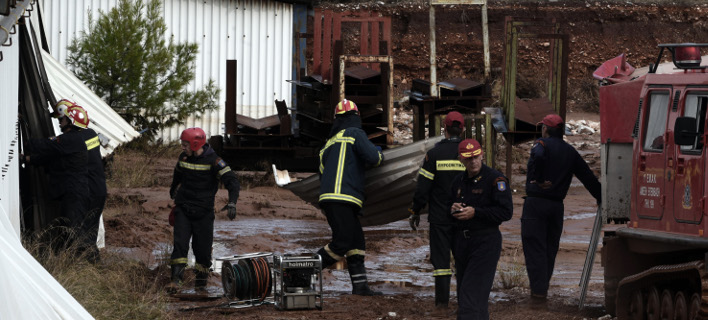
{"points": [[454, 116], [469, 148], [552, 120]]}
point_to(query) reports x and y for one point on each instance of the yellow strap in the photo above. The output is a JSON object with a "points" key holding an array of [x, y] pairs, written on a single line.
{"points": [[332, 254], [426, 174], [224, 170], [179, 261], [194, 166], [442, 272], [92, 143], [341, 197], [355, 252]]}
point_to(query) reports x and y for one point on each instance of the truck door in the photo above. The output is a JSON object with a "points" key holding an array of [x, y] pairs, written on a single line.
{"points": [[652, 157], [689, 177]]}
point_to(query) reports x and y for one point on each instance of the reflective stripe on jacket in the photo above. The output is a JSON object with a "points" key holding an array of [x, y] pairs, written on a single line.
{"points": [[343, 161]]}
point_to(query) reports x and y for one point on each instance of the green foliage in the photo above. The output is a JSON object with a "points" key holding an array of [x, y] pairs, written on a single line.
{"points": [[126, 60]]}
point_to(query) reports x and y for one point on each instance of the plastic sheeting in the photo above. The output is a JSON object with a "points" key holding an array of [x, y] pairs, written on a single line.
{"points": [[28, 291]]}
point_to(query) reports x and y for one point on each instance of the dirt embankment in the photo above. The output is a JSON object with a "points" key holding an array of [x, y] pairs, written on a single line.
{"points": [[598, 30]]}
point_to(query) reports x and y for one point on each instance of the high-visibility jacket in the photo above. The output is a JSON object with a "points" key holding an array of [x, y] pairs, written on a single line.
{"points": [[435, 177], [196, 180], [343, 161]]}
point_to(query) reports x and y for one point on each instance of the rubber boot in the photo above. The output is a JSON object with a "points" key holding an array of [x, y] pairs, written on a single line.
{"points": [[200, 282], [327, 260], [176, 278], [357, 272], [442, 291]]}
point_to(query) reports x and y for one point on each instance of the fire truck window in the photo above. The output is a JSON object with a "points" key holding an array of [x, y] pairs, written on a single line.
{"points": [[696, 108], [658, 107]]}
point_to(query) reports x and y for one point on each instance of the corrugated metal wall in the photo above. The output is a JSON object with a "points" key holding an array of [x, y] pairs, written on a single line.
{"points": [[9, 145], [256, 33]]}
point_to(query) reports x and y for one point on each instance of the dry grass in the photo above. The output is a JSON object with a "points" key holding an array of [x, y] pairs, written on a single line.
{"points": [[133, 167], [115, 288], [512, 271]]}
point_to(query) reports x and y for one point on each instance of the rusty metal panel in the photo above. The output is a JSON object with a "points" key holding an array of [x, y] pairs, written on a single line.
{"points": [[460, 84], [361, 72], [372, 28], [389, 188]]}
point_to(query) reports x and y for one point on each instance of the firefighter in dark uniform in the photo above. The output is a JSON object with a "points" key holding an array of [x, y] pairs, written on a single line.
{"points": [[194, 186], [96, 184], [551, 166], [440, 167], [481, 201], [343, 161], [65, 158]]}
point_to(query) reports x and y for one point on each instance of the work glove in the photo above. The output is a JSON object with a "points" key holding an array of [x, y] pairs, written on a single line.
{"points": [[414, 219], [231, 210]]}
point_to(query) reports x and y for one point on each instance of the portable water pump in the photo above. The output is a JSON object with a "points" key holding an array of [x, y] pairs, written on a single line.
{"points": [[297, 281]]}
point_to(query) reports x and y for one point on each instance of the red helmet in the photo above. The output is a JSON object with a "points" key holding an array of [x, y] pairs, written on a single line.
{"points": [[61, 107], [195, 136], [345, 106], [77, 116]]}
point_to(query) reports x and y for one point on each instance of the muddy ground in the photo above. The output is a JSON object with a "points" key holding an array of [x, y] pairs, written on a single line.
{"points": [[272, 219]]}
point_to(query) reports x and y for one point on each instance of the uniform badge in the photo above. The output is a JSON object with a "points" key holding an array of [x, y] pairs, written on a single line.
{"points": [[501, 185], [221, 163]]}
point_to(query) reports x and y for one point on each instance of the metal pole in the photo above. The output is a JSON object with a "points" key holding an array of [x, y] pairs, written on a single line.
{"points": [[433, 57], [485, 40], [7, 22]]}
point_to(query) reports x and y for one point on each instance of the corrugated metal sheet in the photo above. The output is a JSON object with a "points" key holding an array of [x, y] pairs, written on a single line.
{"points": [[9, 145], [256, 33], [389, 187], [103, 119]]}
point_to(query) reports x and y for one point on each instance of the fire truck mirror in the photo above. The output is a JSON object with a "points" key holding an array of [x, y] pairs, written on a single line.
{"points": [[685, 131]]}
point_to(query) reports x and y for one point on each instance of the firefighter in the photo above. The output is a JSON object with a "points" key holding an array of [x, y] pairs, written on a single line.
{"points": [[440, 167], [96, 183], [194, 184], [342, 164], [551, 166], [65, 158], [480, 202]]}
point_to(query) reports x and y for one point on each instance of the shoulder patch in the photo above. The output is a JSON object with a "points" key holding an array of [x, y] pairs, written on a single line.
{"points": [[221, 163], [501, 183]]}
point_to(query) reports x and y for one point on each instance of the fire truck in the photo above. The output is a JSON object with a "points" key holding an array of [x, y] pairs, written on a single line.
{"points": [[654, 180]]}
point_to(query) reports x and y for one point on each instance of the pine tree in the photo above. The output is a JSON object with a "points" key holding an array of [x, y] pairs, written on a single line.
{"points": [[126, 60]]}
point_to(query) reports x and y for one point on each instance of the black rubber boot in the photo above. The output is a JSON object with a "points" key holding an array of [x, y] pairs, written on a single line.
{"points": [[357, 272], [442, 291], [327, 260], [200, 282], [176, 278]]}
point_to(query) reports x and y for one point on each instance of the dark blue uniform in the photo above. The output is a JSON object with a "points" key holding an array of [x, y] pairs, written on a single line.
{"points": [[65, 158], [554, 160], [435, 177], [343, 162], [97, 191], [194, 186], [478, 240]]}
